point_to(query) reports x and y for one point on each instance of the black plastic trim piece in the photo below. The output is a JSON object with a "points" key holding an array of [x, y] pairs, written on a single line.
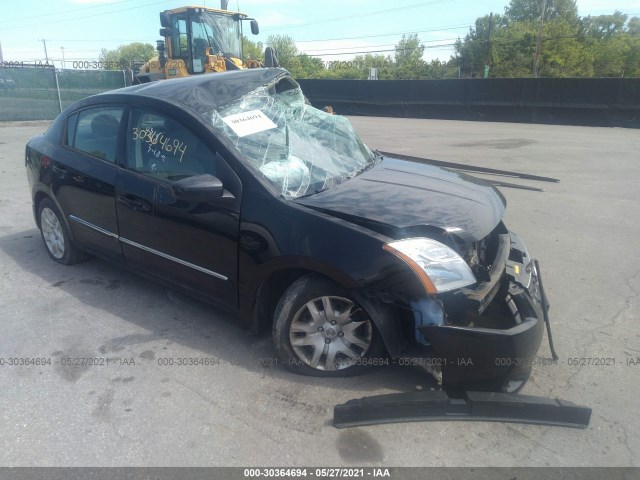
{"points": [[172, 258], [470, 168], [545, 310], [470, 406], [93, 227]]}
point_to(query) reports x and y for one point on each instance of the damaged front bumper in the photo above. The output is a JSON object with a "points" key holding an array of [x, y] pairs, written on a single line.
{"points": [[482, 364], [494, 348]]}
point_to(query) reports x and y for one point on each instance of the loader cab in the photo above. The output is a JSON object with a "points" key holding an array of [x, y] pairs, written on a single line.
{"points": [[204, 38]]}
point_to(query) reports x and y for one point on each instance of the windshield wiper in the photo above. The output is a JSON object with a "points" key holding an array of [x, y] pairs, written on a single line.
{"points": [[318, 190], [377, 159]]}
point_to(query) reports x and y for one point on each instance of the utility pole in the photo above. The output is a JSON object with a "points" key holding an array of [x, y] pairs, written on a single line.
{"points": [[46, 55], [490, 50], [62, 49], [539, 42]]}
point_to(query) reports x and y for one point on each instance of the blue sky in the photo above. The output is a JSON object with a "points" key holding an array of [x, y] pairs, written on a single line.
{"points": [[330, 29]]}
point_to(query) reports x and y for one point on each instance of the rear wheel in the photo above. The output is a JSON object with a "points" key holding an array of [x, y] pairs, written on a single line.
{"points": [[56, 236], [320, 330]]}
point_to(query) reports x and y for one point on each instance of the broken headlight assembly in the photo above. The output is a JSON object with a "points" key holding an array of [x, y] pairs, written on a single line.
{"points": [[439, 267]]}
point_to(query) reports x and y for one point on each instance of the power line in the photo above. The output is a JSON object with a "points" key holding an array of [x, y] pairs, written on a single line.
{"points": [[27, 50], [31, 17], [129, 40], [90, 16], [348, 17], [386, 45], [444, 46], [454, 27]]}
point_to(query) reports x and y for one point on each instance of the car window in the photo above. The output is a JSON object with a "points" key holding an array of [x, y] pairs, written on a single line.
{"points": [[72, 122], [96, 131], [159, 146]]}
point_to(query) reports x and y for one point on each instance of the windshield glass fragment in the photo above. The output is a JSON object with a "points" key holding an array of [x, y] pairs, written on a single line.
{"points": [[301, 150]]}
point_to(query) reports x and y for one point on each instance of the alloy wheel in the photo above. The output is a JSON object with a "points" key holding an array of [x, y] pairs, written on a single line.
{"points": [[52, 232], [330, 333]]}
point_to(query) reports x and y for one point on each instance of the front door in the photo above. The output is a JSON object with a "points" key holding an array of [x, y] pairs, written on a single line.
{"points": [[193, 244]]}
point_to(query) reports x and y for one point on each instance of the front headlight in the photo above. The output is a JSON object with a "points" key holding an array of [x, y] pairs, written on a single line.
{"points": [[439, 268]]}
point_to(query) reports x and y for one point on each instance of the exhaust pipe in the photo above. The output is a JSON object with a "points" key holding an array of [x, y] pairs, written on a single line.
{"points": [[224, 4]]}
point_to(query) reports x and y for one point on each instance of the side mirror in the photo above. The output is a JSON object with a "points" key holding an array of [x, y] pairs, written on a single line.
{"points": [[165, 19], [255, 29], [165, 32], [199, 188]]}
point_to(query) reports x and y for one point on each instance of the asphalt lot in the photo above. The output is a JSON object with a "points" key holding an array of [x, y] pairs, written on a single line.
{"points": [[242, 411]]}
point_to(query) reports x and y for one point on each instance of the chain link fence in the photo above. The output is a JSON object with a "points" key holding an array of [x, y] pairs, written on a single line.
{"points": [[39, 93]]}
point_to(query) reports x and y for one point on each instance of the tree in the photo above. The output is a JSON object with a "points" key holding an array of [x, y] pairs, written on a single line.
{"points": [[604, 26], [358, 68], [632, 38], [126, 55], [300, 65], [605, 36], [251, 50], [437, 70], [633, 26], [305, 66], [563, 53], [570, 46], [408, 57], [286, 49], [529, 11], [515, 47], [477, 49]]}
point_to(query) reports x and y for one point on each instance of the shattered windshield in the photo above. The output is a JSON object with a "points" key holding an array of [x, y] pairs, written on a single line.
{"points": [[301, 150]]}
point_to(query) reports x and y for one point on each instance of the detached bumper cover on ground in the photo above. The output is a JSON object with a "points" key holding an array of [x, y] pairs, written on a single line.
{"points": [[471, 406]]}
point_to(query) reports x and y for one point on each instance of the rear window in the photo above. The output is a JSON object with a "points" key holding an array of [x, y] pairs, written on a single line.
{"points": [[95, 131]]}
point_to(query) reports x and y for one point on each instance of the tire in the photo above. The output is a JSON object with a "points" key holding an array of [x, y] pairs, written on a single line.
{"points": [[56, 236], [319, 330]]}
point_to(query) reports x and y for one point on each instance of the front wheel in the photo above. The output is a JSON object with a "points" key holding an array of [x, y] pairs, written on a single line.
{"points": [[320, 330], [56, 236]]}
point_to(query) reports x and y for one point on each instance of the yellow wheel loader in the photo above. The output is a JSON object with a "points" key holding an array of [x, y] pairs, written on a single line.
{"points": [[199, 40]]}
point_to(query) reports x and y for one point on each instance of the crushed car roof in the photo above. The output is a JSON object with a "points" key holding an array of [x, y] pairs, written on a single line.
{"points": [[204, 92]]}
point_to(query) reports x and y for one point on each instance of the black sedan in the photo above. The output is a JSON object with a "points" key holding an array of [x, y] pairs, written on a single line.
{"points": [[235, 190]]}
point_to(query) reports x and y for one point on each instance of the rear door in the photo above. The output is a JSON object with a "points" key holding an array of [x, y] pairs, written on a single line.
{"points": [[194, 244], [84, 180]]}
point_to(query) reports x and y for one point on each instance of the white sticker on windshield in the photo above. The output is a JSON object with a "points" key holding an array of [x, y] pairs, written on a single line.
{"points": [[247, 123]]}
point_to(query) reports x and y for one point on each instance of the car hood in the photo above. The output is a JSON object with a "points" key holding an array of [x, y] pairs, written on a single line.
{"points": [[402, 194]]}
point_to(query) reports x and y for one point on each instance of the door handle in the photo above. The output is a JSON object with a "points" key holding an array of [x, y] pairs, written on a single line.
{"points": [[134, 203], [60, 171]]}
